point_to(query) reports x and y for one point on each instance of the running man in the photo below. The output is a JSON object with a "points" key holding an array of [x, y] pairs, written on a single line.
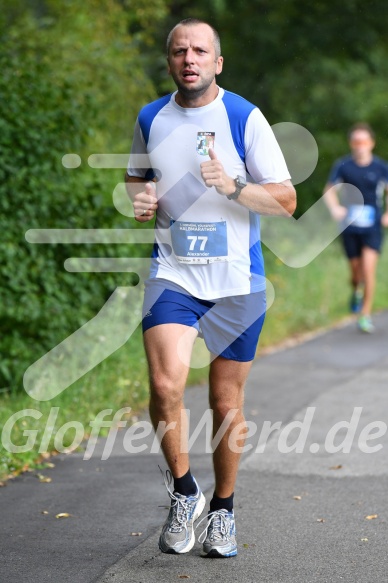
{"points": [[362, 239], [207, 271]]}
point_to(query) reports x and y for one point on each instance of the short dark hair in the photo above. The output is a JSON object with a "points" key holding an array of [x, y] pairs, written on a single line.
{"points": [[193, 22], [361, 126]]}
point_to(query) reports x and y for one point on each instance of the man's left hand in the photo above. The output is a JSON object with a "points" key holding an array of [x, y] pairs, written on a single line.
{"points": [[384, 219], [213, 174]]}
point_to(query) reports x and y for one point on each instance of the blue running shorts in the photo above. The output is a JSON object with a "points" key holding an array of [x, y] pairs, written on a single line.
{"points": [[356, 238], [230, 326]]}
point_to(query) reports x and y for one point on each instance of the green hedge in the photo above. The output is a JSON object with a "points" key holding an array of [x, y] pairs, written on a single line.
{"points": [[43, 115]]}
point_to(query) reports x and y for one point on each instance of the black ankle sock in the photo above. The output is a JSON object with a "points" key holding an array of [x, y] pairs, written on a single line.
{"points": [[185, 485], [217, 503]]}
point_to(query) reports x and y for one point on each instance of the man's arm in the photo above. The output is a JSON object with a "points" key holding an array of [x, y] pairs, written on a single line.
{"points": [[337, 211], [264, 199], [142, 194], [384, 218], [268, 199]]}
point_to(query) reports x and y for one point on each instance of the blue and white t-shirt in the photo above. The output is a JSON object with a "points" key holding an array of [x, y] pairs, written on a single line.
{"points": [[206, 243]]}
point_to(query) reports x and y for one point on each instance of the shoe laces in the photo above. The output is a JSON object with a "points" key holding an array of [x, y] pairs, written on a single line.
{"points": [[218, 522], [180, 506]]}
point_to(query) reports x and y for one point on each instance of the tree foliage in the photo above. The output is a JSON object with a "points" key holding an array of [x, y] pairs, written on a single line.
{"points": [[71, 81]]}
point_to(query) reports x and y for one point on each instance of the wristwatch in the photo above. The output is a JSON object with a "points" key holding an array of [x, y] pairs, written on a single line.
{"points": [[240, 183]]}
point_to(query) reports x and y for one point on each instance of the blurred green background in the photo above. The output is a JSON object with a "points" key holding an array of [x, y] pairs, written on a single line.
{"points": [[73, 75]]}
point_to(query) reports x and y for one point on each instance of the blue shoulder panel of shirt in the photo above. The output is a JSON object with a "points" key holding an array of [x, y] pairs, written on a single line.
{"points": [[149, 112], [238, 110]]}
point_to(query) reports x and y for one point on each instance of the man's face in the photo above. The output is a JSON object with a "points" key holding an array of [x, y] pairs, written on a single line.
{"points": [[361, 142], [192, 61]]}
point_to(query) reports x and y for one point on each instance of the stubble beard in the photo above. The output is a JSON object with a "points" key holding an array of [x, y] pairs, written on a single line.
{"points": [[193, 93]]}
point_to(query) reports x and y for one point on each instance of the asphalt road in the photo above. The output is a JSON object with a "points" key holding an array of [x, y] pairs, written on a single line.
{"points": [[301, 515]]}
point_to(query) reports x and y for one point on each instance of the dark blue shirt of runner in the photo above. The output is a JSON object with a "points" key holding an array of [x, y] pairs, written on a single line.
{"points": [[370, 180]]}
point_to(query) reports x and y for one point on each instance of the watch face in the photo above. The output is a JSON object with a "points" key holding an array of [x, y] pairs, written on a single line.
{"points": [[240, 182]]}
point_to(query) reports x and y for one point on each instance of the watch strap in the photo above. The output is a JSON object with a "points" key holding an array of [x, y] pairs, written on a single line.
{"points": [[240, 184]]}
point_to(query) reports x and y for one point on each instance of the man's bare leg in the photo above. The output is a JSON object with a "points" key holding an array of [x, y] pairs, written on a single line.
{"points": [[226, 396], [168, 375], [227, 381], [356, 272], [369, 263]]}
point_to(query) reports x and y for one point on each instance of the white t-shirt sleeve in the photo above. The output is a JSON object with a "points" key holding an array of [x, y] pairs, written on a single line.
{"points": [[264, 159], [138, 163]]}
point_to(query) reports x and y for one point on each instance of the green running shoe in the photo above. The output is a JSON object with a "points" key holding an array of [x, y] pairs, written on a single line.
{"points": [[365, 324]]}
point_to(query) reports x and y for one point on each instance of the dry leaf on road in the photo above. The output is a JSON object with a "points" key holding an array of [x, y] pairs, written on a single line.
{"points": [[62, 515], [44, 479], [371, 516]]}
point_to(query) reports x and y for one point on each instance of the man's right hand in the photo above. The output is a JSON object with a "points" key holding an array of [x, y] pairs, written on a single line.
{"points": [[338, 212], [145, 204]]}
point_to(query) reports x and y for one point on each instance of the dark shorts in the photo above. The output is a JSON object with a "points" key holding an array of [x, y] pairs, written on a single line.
{"points": [[230, 326], [355, 239]]}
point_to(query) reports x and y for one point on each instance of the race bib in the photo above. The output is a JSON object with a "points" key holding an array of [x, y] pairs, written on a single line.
{"points": [[199, 243], [361, 216]]}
